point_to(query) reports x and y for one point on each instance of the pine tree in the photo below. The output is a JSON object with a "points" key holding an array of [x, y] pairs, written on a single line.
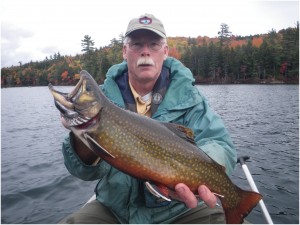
{"points": [[88, 44], [224, 34]]}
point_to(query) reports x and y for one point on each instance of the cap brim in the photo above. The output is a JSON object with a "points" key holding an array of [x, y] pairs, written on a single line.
{"points": [[146, 28]]}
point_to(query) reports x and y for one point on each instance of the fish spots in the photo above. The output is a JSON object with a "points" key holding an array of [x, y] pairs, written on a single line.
{"points": [[147, 150]]}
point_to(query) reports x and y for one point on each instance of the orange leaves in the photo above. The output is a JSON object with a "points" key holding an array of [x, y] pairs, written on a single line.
{"points": [[176, 43], [257, 41], [182, 42], [235, 43], [64, 75], [174, 53]]}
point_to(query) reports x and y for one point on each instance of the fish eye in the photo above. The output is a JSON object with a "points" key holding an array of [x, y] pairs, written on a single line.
{"points": [[88, 87]]}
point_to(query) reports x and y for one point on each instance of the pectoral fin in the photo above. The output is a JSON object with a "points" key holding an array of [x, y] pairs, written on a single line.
{"points": [[96, 147], [156, 191]]}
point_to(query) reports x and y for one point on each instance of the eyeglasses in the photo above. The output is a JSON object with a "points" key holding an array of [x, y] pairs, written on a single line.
{"points": [[138, 46]]}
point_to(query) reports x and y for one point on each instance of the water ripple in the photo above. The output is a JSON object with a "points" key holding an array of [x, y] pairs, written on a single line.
{"points": [[264, 124], [263, 121]]}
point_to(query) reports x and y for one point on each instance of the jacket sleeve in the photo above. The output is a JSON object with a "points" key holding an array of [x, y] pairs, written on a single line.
{"points": [[211, 135], [79, 169]]}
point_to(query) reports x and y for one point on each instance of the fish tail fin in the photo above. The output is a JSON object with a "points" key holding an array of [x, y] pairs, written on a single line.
{"points": [[248, 200]]}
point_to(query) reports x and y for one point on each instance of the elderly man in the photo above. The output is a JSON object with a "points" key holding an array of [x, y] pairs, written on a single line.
{"points": [[150, 83]]}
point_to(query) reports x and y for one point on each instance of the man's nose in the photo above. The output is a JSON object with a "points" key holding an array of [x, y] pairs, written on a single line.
{"points": [[145, 49]]}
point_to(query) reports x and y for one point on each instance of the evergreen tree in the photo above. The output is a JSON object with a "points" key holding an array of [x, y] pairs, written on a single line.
{"points": [[115, 53], [224, 34], [263, 57], [212, 60], [88, 44], [89, 57]]}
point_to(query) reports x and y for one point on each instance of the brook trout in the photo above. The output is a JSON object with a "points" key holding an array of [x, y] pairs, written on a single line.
{"points": [[163, 153]]}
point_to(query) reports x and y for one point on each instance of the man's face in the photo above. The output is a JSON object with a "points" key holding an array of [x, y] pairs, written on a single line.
{"points": [[145, 54]]}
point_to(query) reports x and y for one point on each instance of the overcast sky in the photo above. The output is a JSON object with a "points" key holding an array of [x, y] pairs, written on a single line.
{"points": [[34, 29]]}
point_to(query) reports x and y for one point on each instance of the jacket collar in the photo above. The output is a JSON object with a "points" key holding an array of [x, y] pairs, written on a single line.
{"points": [[158, 91], [180, 94]]}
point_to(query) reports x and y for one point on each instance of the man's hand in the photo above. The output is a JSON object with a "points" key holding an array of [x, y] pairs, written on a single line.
{"points": [[84, 153], [184, 194]]}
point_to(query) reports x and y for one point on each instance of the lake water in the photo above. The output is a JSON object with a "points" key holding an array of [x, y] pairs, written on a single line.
{"points": [[37, 188]]}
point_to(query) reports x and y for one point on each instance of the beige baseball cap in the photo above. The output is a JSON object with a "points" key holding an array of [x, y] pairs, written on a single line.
{"points": [[148, 22]]}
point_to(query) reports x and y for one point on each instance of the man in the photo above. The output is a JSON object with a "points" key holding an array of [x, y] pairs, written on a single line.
{"points": [[152, 84]]}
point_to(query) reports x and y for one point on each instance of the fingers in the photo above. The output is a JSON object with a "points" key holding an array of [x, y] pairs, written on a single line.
{"points": [[185, 195], [207, 196]]}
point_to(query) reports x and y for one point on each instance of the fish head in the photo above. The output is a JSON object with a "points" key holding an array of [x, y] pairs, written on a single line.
{"points": [[80, 108]]}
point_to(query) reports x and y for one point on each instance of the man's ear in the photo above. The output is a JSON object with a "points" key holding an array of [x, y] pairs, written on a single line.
{"points": [[124, 52], [166, 52]]}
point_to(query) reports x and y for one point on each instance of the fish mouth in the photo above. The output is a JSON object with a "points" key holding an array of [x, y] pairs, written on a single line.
{"points": [[79, 108], [88, 124]]}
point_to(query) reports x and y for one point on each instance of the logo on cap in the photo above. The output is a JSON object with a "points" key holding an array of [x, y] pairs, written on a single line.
{"points": [[145, 20]]}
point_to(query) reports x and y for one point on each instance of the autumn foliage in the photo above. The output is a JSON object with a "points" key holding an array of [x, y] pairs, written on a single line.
{"points": [[230, 59], [257, 41], [64, 75], [173, 52]]}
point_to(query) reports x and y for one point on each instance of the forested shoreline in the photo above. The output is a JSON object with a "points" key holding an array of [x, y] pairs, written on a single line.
{"points": [[226, 59]]}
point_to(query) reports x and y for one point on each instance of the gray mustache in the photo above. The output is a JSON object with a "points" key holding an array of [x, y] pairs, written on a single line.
{"points": [[145, 60]]}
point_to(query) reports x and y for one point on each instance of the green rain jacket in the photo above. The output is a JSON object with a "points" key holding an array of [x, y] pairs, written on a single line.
{"points": [[183, 104]]}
